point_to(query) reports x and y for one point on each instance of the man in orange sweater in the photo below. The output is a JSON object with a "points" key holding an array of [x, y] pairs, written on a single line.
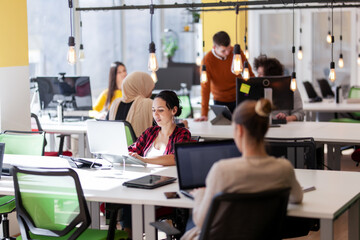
{"points": [[221, 81]]}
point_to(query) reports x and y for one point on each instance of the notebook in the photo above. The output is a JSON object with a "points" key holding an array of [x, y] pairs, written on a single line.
{"points": [[149, 181], [194, 160], [107, 139]]}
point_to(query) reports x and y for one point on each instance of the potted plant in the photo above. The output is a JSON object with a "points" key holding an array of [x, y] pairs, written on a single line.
{"points": [[170, 45]]}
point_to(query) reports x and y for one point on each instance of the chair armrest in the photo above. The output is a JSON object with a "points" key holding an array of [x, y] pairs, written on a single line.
{"points": [[166, 228]]}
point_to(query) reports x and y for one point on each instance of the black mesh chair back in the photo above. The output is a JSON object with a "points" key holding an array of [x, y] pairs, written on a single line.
{"points": [[301, 152], [325, 88], [250, 216]]}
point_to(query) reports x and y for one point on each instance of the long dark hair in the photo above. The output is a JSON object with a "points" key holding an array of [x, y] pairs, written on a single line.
{"points": [[112, 81]]}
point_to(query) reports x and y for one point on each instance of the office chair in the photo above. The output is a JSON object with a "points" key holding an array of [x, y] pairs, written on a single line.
{"points": [[242, 216], [61, 136], [301, 152], [50, 204], [354, 117], [325, 88], [313, 96], [23, 143]]}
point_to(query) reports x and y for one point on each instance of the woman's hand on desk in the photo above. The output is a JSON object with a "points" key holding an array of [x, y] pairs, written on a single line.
{"points": [[135, 155], [201, 119]]}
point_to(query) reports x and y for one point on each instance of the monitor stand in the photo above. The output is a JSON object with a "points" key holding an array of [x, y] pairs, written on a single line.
{"points": [[220, 120]]}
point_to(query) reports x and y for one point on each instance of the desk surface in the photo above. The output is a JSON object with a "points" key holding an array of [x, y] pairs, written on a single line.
{"points": [[325, 132], [332, 106], [335, 191]]}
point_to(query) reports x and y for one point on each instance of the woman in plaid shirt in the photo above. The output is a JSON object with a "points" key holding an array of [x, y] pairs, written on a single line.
{"points": [[156, 144]]}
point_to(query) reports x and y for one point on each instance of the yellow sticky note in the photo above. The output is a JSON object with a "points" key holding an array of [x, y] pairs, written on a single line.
{"points": [[245, 88]]}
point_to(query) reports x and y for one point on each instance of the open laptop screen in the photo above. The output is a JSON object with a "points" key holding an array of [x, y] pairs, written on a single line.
{"points": [[194, 160]]}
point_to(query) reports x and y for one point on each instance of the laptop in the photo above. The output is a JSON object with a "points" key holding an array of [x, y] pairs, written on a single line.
{"points": [[222, 113], [194, 160], [149, 181], [2, 151], [107, 139]]}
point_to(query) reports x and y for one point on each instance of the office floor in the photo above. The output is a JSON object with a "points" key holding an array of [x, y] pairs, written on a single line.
{"points": [[340, 228]]}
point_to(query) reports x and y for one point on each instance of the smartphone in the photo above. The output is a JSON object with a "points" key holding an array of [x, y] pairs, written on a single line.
{"points": [[170, 195]]}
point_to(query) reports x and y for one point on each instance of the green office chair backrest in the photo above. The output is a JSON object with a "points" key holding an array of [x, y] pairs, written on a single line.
{"points": [[186, 106], [130, 134], [50, 202], [355, 93], [23, 143]]}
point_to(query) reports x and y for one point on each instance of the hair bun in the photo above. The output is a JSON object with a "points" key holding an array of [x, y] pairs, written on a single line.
{"points": [[263, 107]]}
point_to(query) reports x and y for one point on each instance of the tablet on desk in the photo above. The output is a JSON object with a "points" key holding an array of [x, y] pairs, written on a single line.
{"points": [[149, 181]]}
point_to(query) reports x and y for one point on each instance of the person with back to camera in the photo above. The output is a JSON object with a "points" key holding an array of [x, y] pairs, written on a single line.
{"points": [[116, 75], [255, 171], [135, 105], [272, 67], [156, 144], [221, 81]]}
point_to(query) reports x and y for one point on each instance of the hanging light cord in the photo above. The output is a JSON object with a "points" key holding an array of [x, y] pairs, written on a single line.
{"points": [[70, 7], [203, 31], [293, 47], [151, 20], [245, 27], [332, 31], [341, 30], [236, 22]]}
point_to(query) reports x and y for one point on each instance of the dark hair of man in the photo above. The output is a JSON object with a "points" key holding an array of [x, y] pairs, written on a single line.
{"points": [[171, 100], [112, 81], [271, 66], [221, 38]]}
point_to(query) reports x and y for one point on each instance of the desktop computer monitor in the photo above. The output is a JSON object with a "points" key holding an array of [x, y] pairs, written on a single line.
{"points": [[171, 78], [276, 88], [75, 92]]}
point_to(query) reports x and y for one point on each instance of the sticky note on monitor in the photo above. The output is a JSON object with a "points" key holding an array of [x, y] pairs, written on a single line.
{"points": [[245, 88]]}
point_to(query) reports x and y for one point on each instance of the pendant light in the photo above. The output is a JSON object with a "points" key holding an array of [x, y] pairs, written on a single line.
{"points": [[198, 59], [247, 55], [246, 74], [153, 65], [203, 76], [328, 37], [293, 84], [236, 66], [332, 74], [341, 59], [81, 47], [300, 52], [71, 55]]}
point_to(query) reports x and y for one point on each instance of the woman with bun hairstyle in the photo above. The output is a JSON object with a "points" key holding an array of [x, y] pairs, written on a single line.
{"points": [[156, 144], [254, 171]]}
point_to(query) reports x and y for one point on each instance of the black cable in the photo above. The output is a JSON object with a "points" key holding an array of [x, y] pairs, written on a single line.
{"points": [[236, 21], [293, 47], [341, 30], [332, 31], [71, 24], [203, 30], [151, 20]]}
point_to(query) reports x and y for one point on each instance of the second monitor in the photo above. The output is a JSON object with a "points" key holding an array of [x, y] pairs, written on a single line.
{"points": [[277, 89]]}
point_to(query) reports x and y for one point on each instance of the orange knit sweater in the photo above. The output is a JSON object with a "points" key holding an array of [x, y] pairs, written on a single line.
{"points": [[221, 81]]}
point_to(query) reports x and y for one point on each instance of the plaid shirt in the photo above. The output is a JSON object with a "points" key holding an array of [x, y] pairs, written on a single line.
{"points": [[144, 142]]}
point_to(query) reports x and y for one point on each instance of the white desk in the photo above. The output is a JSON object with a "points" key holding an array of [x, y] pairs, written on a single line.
{"points": [[78, 128], [326, 106], [336, 193], [333, 134]]}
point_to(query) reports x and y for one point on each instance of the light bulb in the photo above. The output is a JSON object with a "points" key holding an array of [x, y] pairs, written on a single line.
{"points": [[293, 84], [152, 63], [154, 77], [341, 61], [203, 78], [237, 66], [81, 53], [71, 55], [198, 61], [246, 74], [358, 60], [328, 37], [247, 55], [332, 74], [300, 53]]}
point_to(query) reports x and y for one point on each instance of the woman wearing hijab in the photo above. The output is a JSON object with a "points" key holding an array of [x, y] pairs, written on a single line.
{"points": [[135, 106]]}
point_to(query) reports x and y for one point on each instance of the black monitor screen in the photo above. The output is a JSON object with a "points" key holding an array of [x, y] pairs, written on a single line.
{"points": [[278, 88], [172, 77], [194, 160], [75, 92]]}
